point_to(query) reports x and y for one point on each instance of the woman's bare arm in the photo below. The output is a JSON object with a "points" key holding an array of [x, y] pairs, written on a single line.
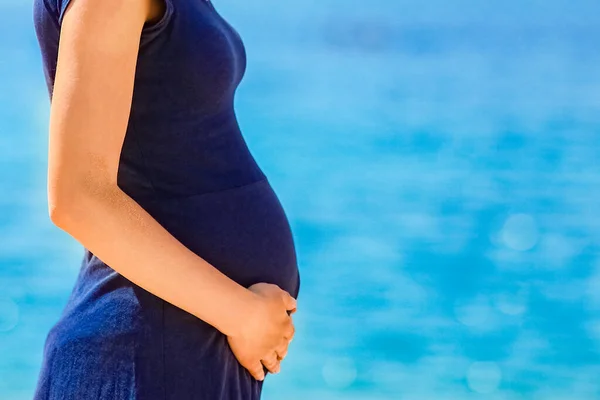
{"points": [[90, 108]]}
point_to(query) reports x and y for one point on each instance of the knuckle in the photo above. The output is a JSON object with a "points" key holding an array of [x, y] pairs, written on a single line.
{"points": [[255, 368], [274, 287], [282, 347], [268, 360], [258, 374]]}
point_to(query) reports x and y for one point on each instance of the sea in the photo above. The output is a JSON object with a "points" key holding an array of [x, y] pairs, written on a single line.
{"points": [[439, 162]]}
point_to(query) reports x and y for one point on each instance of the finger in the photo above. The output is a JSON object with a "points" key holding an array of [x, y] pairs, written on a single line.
{"points": [[289, 301], [282, 350], [272, 363], [256, 370], [290, 330]]}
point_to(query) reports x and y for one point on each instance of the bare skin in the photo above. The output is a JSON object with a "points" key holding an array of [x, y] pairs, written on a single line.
{"points": [[89, 113]]}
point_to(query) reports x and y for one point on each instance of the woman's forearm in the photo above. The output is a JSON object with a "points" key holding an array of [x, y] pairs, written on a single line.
{"points": [[126, 237]]}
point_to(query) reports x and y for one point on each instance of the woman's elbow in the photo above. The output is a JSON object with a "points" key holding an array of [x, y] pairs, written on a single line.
{"points": [[53, 212], [61, 205], [68, 199]]}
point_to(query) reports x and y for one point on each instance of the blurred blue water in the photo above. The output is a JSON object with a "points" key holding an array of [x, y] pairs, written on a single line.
{"points": [[439, 165]]}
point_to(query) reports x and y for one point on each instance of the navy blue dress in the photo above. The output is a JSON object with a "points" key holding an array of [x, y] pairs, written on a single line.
{"points": [[184, 160]]}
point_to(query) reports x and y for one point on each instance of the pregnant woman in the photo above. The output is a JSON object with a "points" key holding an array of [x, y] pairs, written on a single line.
{"points": [[189, 275]]}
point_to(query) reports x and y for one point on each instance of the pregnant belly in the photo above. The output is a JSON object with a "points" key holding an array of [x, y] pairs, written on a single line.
{"points": [[243, 231]]}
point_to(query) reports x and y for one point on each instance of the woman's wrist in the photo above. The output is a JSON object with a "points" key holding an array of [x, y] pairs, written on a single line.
{"points": [[232, 322]]}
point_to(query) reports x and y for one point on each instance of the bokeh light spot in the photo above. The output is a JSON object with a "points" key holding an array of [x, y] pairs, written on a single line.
{"points": [[484, 377], [511, 303], [473, 314], [339, 373], [520, 232]]}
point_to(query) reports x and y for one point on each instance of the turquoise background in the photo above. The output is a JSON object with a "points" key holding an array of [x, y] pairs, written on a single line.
{"points": [[438, 161]]}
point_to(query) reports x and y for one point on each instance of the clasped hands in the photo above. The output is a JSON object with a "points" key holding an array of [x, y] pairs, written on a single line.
{"points": [[265, 338]]}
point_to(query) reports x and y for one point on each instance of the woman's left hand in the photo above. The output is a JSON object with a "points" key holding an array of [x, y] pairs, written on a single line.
{"points": [[273, 363]]}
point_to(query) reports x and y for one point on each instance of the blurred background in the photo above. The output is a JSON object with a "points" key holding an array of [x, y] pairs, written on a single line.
{"points": [[438, 161]]}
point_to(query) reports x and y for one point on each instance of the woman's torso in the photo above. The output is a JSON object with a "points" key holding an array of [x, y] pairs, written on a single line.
{"points": [[184, 158]]}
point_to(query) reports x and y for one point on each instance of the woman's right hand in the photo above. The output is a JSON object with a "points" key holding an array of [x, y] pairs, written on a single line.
{"points": [[264, 333]]}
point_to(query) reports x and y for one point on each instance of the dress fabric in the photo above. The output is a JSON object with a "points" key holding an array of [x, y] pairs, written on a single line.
{"points": [[184, 160]]}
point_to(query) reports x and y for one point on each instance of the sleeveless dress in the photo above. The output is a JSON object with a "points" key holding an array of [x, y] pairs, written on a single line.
{"points": [[184, 160]]}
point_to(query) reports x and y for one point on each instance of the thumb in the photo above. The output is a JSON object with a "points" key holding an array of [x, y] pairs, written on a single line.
{"points": [[289, 301]]}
